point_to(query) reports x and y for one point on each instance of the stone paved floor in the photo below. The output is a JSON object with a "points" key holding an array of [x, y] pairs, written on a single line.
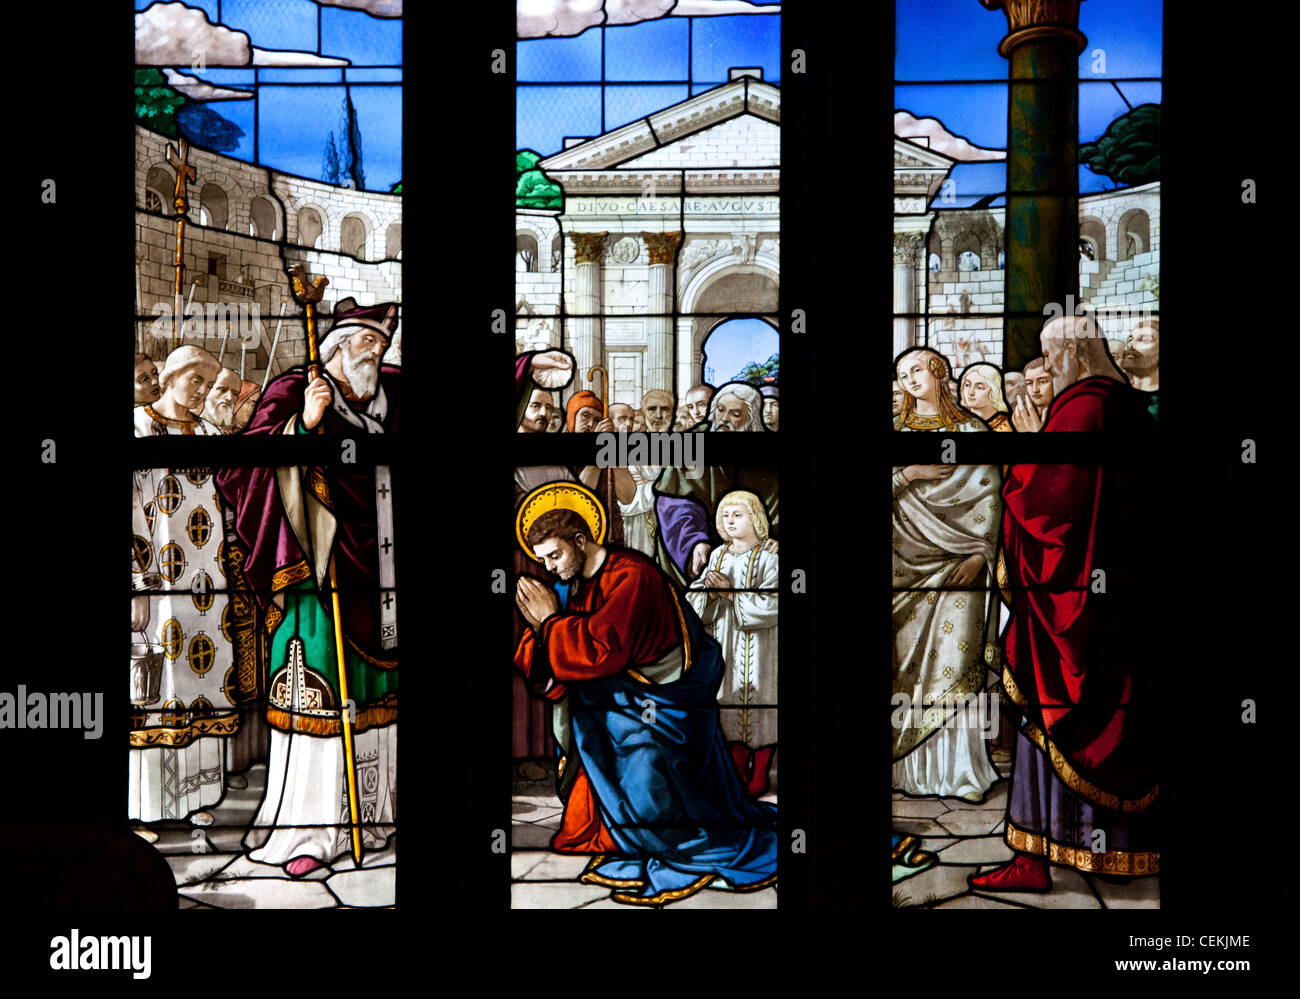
{"points": [[213, 872], [968, 840], [543, 879]]}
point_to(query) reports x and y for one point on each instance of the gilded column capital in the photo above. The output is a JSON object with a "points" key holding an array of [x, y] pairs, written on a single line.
{"points": [[589, 247], [662, 246], [1028, 20]]}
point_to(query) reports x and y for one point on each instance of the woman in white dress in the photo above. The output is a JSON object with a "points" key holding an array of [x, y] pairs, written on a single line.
{"points": [[945, 534], [727, 597]]}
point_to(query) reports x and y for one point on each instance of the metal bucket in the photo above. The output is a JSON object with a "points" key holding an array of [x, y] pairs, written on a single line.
{"points": [[146, 673]]}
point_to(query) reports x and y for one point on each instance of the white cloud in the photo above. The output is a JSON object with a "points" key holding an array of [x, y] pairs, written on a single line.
{"points": [[379, 8], [171, 34], [200, 90], [908, 126], [564, 18], [268, 57]]}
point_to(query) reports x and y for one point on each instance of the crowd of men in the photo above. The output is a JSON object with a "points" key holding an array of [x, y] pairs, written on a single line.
{"points": [[732, 407], [193, 393]]}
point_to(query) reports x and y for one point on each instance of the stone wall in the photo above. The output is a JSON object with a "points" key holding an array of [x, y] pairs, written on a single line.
{"points": [[251, 270], [1120, 285]]}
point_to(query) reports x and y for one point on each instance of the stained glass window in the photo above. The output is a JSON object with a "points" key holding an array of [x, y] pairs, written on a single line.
{"points": [[1027, 204], [263, 737]]}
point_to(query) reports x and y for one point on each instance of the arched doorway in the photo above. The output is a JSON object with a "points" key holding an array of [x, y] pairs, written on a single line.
{"points": [[352, 237], [310, 227], [1134, 233], [729, 288]]}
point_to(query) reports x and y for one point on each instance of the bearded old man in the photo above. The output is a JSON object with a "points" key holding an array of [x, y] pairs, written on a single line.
{"points": [[1079, 657], [736, 407], [219, 406], [293, 522]]}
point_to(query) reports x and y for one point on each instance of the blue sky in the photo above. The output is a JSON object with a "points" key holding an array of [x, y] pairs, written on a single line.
{"points": [[294, 118], [1127, 32], [735, 343], [647, 67]]}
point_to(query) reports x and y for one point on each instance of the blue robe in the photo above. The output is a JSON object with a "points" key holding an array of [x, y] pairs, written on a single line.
{"points": [[667, 788]]}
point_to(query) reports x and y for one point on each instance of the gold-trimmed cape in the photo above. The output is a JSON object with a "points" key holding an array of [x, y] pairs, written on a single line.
{"points": [[1075, 781]]}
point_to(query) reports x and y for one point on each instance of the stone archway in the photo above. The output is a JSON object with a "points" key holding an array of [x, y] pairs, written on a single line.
{"points": [[1134, 233], [750, 289]]}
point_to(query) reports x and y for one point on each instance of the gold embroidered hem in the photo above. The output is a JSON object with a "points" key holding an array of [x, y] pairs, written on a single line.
{"points": [[273, 617], [1075, 781], [320, 487], [755, 885], [665, 896], [1110, 862], [382, 712], [949, 702], [290, 574], [377, 663], [590, 877], [178, 736]]}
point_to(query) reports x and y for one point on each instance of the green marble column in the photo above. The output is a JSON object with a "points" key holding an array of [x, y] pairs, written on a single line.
{"points": [[1042, 199]]}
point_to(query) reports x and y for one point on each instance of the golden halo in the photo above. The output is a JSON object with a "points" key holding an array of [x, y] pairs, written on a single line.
{"points": [[560, 496]]}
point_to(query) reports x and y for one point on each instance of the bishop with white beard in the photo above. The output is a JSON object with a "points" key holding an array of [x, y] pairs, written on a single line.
{"points": [[294, 522]]}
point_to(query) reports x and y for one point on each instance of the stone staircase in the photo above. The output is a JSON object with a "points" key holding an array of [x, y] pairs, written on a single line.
{"points": [[1124, 283]]}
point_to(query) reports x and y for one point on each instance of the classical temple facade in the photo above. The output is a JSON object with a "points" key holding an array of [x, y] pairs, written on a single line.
{"points": [[669, 224]]}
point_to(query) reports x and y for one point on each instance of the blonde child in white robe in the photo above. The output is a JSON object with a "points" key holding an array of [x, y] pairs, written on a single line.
{"points": [[735, 596]]}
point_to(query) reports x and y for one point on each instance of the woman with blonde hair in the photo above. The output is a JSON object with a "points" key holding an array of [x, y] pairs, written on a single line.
{"points": [[923, 375], [981, 393], [736, 598]]}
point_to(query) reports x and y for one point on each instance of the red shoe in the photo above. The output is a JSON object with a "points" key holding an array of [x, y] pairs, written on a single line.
{"points": [[302, 865], [1025, 873]]}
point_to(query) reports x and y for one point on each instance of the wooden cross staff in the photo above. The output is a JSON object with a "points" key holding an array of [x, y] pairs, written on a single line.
{"points": [[309, 292], [184, 174]]}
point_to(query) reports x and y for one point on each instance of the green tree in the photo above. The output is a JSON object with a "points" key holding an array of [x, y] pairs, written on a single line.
{"points": [[350, 139], [533, 189], [329, 170], [1129, 150], [754, 372], [156, 102]]}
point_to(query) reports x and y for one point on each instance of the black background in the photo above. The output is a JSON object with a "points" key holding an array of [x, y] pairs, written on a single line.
{"points": [[1219, 570]]}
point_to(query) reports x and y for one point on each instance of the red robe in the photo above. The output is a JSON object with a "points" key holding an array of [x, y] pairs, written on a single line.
{"points": [[623, 616], [1079, 661]]}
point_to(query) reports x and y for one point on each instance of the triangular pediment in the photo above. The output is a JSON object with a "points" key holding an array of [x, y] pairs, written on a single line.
{"points": [[910, 156], [718, 128]]}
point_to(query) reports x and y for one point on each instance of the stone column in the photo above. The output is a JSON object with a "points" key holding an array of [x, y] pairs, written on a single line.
{"points": [[658, 370], [1042, 213], [588, 332], [685, 355], [906, 247]]}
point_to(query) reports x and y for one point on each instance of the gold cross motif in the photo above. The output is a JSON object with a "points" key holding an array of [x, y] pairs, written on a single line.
{"points": [[184, 173]]}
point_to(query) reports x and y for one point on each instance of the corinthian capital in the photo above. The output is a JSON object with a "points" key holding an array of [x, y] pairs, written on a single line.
{"points": [[1031, 19], [662, 246], [905, 246], [589, 247]]}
